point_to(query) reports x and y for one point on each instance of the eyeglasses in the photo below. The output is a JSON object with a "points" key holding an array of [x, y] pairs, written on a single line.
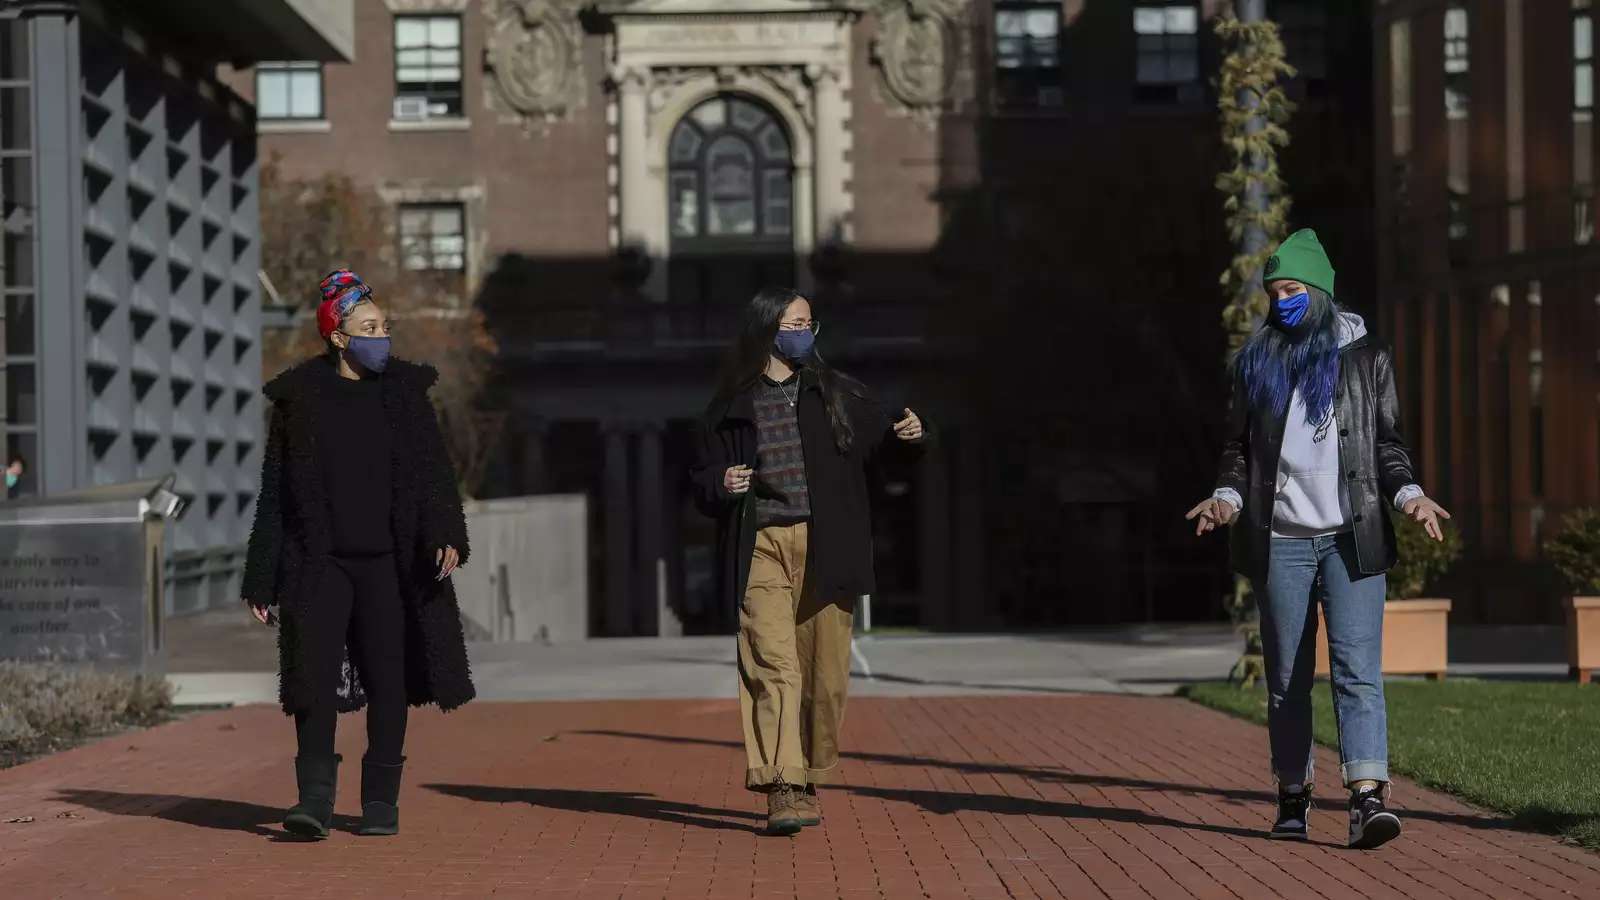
{"points": [[813, 326]]}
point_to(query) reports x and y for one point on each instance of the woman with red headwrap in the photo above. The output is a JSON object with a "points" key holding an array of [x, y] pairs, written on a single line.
{"points": [[358, 526]]}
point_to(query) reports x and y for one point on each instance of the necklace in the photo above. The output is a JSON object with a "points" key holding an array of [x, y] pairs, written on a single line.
{"points": [[792, 400]]}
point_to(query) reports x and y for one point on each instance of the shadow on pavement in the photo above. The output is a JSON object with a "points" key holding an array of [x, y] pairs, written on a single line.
{"points": [[947, 802], [928, 682], [1332, 799], [636, 805], [201, 812]]}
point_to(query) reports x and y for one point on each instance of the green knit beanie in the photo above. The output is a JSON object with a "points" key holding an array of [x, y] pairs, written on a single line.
{"points": [[1300, 258]]}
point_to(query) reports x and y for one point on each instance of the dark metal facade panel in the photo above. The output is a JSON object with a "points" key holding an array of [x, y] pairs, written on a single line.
{"points": [[143, 251]]}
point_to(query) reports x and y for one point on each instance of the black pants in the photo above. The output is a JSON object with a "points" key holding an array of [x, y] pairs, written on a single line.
{"points": [[359, 604]]}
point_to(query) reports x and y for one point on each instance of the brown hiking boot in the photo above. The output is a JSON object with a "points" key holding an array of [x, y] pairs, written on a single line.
{"points": [[782, 816], [808, 806]]}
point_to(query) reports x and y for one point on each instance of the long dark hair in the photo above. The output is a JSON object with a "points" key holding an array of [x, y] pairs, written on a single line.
{"points": [[1272, 365], [747, 359]]}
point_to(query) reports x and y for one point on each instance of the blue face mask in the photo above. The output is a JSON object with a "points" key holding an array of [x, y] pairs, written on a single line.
{"points": [[371, 352], [1288, 312], [11, 479], [796, 344]]}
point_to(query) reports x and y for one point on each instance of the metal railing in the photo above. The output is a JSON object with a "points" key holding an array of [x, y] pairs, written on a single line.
{"points": [[613, 324]]}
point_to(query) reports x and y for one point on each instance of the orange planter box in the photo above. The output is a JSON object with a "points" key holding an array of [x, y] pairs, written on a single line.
{"points": [[1583, 636], [1416, 638]]}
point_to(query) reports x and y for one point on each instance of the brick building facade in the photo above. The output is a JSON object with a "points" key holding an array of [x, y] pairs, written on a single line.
{"points": [[1004, 211], [1489, 279]]}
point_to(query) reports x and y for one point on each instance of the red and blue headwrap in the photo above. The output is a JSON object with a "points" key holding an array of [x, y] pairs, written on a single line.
{"points": [[341, 290]]}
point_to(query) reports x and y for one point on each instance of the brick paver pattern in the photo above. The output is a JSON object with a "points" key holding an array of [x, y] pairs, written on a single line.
{"points": [[1079, 796]]}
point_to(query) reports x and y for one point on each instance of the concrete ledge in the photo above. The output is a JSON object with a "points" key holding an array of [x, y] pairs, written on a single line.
{"points": [[293, 126], [456, 124], [224, 688]]}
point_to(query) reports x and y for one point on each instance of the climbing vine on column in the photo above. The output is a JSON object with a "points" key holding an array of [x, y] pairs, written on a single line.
{"points": [[1254, 113]]}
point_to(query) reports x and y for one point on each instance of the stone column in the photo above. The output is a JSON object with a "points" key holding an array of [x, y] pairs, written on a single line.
{"points": [[637, 201], [62, 395], [531, 475], [618, 519], [971, 597], [933, 537], [653, 606], [832, 174]]}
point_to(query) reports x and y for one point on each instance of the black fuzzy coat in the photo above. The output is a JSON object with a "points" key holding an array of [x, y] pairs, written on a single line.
{"points": [[292, 537]]}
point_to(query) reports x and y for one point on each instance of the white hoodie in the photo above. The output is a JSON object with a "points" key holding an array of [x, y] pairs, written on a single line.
{"points": [[1310, 501]]}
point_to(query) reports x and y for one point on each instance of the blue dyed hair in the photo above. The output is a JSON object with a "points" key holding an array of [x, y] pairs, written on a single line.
{"points": [[1272, 365]]}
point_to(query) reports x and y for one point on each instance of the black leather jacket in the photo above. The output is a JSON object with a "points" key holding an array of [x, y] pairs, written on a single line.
{"points": [[1372, 453]]}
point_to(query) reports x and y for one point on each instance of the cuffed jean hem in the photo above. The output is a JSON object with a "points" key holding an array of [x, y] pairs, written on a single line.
{"points": [[1364, 770], [821, 776], [764, 779]]}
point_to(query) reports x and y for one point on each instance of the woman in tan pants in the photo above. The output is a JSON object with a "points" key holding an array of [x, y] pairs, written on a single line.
{"points": [[782, 468]]}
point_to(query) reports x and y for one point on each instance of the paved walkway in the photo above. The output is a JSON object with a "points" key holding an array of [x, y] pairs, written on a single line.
{"points": [[1075, 796], [224, 657]]}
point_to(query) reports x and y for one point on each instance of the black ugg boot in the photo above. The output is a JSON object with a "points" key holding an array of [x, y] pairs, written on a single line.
{"points": [[380, 797], [318, 777]]}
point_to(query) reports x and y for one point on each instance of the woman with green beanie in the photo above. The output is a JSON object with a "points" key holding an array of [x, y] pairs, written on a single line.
{"points": [[1313, 462]]}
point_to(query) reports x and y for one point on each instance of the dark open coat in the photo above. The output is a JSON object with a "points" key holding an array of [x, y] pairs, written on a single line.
{"points": [[839, 558], [292, 538]]}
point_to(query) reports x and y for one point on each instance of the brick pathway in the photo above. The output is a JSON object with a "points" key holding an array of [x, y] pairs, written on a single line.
{"points": [[1063, 796]]}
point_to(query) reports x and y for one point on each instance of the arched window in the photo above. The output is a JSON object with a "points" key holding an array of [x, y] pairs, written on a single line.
{"points": [[730, 201]]}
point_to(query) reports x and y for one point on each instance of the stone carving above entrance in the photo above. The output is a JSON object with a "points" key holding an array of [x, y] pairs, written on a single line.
{"points": [[919, 51], [534, 53]]}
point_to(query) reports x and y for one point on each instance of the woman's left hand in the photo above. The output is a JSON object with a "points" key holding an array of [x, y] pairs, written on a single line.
{"points": [[447, 560], [909, 428], [1427, 513]]}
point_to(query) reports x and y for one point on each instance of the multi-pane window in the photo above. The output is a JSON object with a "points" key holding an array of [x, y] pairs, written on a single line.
{"points": [[1583, 121], [1303, 25], [19, 408], [433, 237], [730, 205], [1027, 54], [427, 66], [1400, 87], [1456, 63], [289, 90], [1582, 58], [1457, 106], [729, 172], [1168, 49]]}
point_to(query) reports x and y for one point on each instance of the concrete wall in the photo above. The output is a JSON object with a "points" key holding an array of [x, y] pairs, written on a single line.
{"points": [[527, 579]]}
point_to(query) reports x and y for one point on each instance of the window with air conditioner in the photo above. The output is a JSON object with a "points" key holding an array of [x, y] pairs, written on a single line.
{"points": [[427, 67]]}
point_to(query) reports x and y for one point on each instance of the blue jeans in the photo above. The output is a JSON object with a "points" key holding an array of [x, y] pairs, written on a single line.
{"points": [[1302, 570]]}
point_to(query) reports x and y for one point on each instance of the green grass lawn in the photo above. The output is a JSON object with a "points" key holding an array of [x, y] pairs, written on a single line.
{"points": [[1529, 750]]}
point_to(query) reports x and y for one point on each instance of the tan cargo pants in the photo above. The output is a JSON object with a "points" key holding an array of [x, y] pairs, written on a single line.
{"points": [[794, 666]]}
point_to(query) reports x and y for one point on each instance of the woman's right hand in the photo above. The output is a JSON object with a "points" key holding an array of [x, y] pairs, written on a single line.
{"points": [[736, 480], [1212, 513], [263, 614]]}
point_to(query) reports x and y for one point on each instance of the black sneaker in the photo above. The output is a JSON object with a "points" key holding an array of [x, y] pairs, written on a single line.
{"points": [[1371, 824], [1294, 808]]}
